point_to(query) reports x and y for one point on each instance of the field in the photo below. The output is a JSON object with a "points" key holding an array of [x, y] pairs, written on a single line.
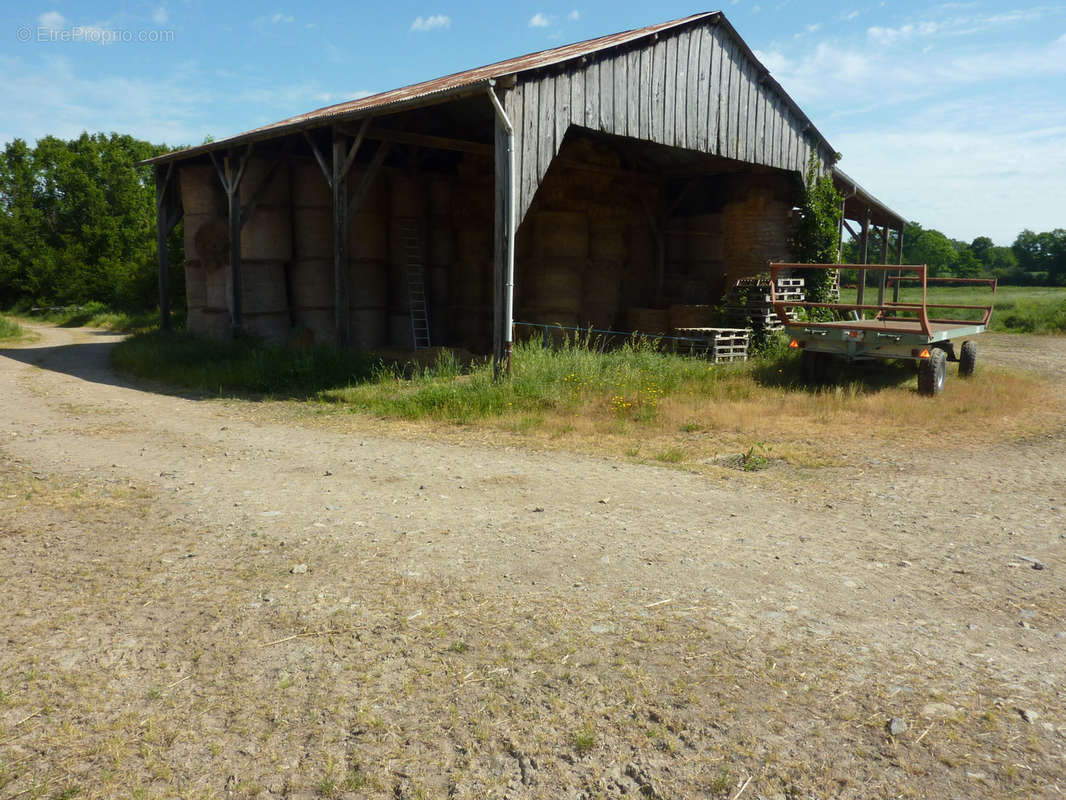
{"points": [[274, 598], [1017, 309]]}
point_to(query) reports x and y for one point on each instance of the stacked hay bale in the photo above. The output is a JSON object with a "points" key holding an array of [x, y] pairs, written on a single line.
{"points": [[441, 258], [552, 292], [266, 248], [706, 253], [206, 250], [470, 277], [602, 285], [756, 225], [408, 201], [311, 271], [368, 264]]}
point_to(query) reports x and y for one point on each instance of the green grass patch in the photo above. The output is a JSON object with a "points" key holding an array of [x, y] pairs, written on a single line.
{"points": [[95, 315], [243, 367], [9, 329], [1017, 309]]}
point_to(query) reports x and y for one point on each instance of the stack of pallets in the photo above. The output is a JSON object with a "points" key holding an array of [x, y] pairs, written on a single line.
{"points": [[716, 344], [748, 302]]}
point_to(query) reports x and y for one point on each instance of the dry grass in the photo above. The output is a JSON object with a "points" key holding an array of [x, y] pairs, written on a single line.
{"points": [[168, 661]]}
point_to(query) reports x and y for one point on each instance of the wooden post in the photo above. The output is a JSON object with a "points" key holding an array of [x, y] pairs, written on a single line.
{"points": [[234, 196], [899, 260], [865, 244], [884, 260], [339, 184]]}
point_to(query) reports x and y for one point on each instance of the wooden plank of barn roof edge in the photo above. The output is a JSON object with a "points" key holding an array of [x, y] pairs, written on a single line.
{"points": [[705, 89], [716, 106], [646, 91], [562, 111], [592, 95], [530, 176], [577, 97], [689, 45], [632, 78], [669, 91], [607, 120], [546, 134]]}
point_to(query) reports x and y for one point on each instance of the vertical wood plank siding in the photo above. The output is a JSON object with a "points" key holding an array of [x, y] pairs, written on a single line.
{"points": [[694, 88]]}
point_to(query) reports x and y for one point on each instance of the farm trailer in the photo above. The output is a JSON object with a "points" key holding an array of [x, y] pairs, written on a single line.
{"points": [[890, 329]]}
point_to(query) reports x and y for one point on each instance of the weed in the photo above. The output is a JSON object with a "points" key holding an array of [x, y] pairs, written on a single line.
{"points": [[671, 455], [458, 647], [584, 740], [722, 782], [10, 329], [756, 458]]}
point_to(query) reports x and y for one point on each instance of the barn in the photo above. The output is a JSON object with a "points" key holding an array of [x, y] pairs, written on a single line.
{"points": [[597, 184]]}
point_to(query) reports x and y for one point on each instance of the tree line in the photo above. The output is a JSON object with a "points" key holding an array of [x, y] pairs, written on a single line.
{"points": [[1034, 259], [77, 224]]}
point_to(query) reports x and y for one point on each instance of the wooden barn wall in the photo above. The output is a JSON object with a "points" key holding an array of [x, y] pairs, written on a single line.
{"points": [[694, 88]]}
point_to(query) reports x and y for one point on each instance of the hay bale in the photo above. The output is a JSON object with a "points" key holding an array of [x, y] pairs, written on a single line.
{"points": [[691, 316], [263, 289], [376, 199], [560, 235], [309, 186], [471, 327], [214, 323], [207, 239], [470, 283], [400, 333], [216, 293], [369, 328], [368, 237], [648, 320], [441, 245], [267, 235], [311, 283], [272, 328], [201, 191], [320, 322], [312, 232], [195, 284], [368, 284], [440, 195], [269, 181], [555, 284], [408, 196], [473, 243], [607, 239]]}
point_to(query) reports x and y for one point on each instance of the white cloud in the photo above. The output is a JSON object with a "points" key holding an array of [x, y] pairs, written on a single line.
{"points": [[573, 16], [51, 20], [160, 16], [277, 18], [540, 20], [851, 15], [431, 22]]}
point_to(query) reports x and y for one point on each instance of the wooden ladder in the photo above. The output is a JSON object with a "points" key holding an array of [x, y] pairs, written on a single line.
{"points": [[411, 247]]}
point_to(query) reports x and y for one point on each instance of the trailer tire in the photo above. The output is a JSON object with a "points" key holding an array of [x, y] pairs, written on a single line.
{"points": [[812, 367], [931, 373], [968, 359]]}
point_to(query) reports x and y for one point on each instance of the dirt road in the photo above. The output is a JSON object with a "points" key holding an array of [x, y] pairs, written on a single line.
{"points": [[207, 598]]}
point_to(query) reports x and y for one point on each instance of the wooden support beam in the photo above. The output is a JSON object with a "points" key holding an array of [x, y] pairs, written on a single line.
{"points": [[326, 170], [253, 202], [864, 243], [368, 177], [428, 141], [167, 215], [851, 230], [883, 274], [341, 217]]}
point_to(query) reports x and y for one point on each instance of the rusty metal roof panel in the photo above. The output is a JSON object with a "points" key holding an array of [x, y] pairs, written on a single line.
{"points": [[857, 198], [444, 87]]}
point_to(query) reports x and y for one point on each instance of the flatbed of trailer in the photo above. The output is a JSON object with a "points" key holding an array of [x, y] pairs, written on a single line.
{"points": [[887, 329]]}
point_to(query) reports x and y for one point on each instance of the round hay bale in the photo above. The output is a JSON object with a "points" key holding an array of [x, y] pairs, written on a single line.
{"points": [[368, 284], [311, 282], [201, 191], [407, 196], [216, 294], [677, 245], [438, 286], [320, 322], [272, 328], [706, 223], [555, 284], [376, 198], [706, 247], [262, 287], [441, 245], [312, 232], [473, 202], [368, 237], [607, 240], [369, 328], [440, 196], [195, 285], [309, 187], [207, 239], [471, 327], [648, 320], [400, 334], [273, 178], [560, 234], [267, 235], [602, 316], [473, 243], [216, 324], [691, 316]]}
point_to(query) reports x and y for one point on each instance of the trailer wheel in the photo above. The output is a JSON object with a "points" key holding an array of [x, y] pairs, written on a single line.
{"points": [[931, 372], [813, 366], [968, 359]]}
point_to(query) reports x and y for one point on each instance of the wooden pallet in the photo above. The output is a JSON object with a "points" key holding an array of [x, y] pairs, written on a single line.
{"points": [[717, 344]]}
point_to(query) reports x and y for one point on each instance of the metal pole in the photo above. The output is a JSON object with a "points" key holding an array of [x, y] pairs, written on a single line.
{"points": [[508, 197]]}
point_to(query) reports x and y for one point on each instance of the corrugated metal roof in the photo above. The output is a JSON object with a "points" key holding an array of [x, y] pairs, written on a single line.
{"points": [[469, 82], [857, 199]]}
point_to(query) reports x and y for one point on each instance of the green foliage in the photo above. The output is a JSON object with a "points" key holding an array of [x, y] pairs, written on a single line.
{"points": [[240, 367], [814, 239], [10, 330], [77, 222]]}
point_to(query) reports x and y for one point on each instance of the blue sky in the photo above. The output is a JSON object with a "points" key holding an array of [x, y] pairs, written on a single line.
{"points": [[954, 114]]}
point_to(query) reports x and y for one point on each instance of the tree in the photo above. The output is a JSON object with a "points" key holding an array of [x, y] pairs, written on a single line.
{"points": [[814, 238]]}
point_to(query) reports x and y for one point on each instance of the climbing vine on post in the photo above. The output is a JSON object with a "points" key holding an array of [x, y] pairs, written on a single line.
{"points": [[814, 238]]}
